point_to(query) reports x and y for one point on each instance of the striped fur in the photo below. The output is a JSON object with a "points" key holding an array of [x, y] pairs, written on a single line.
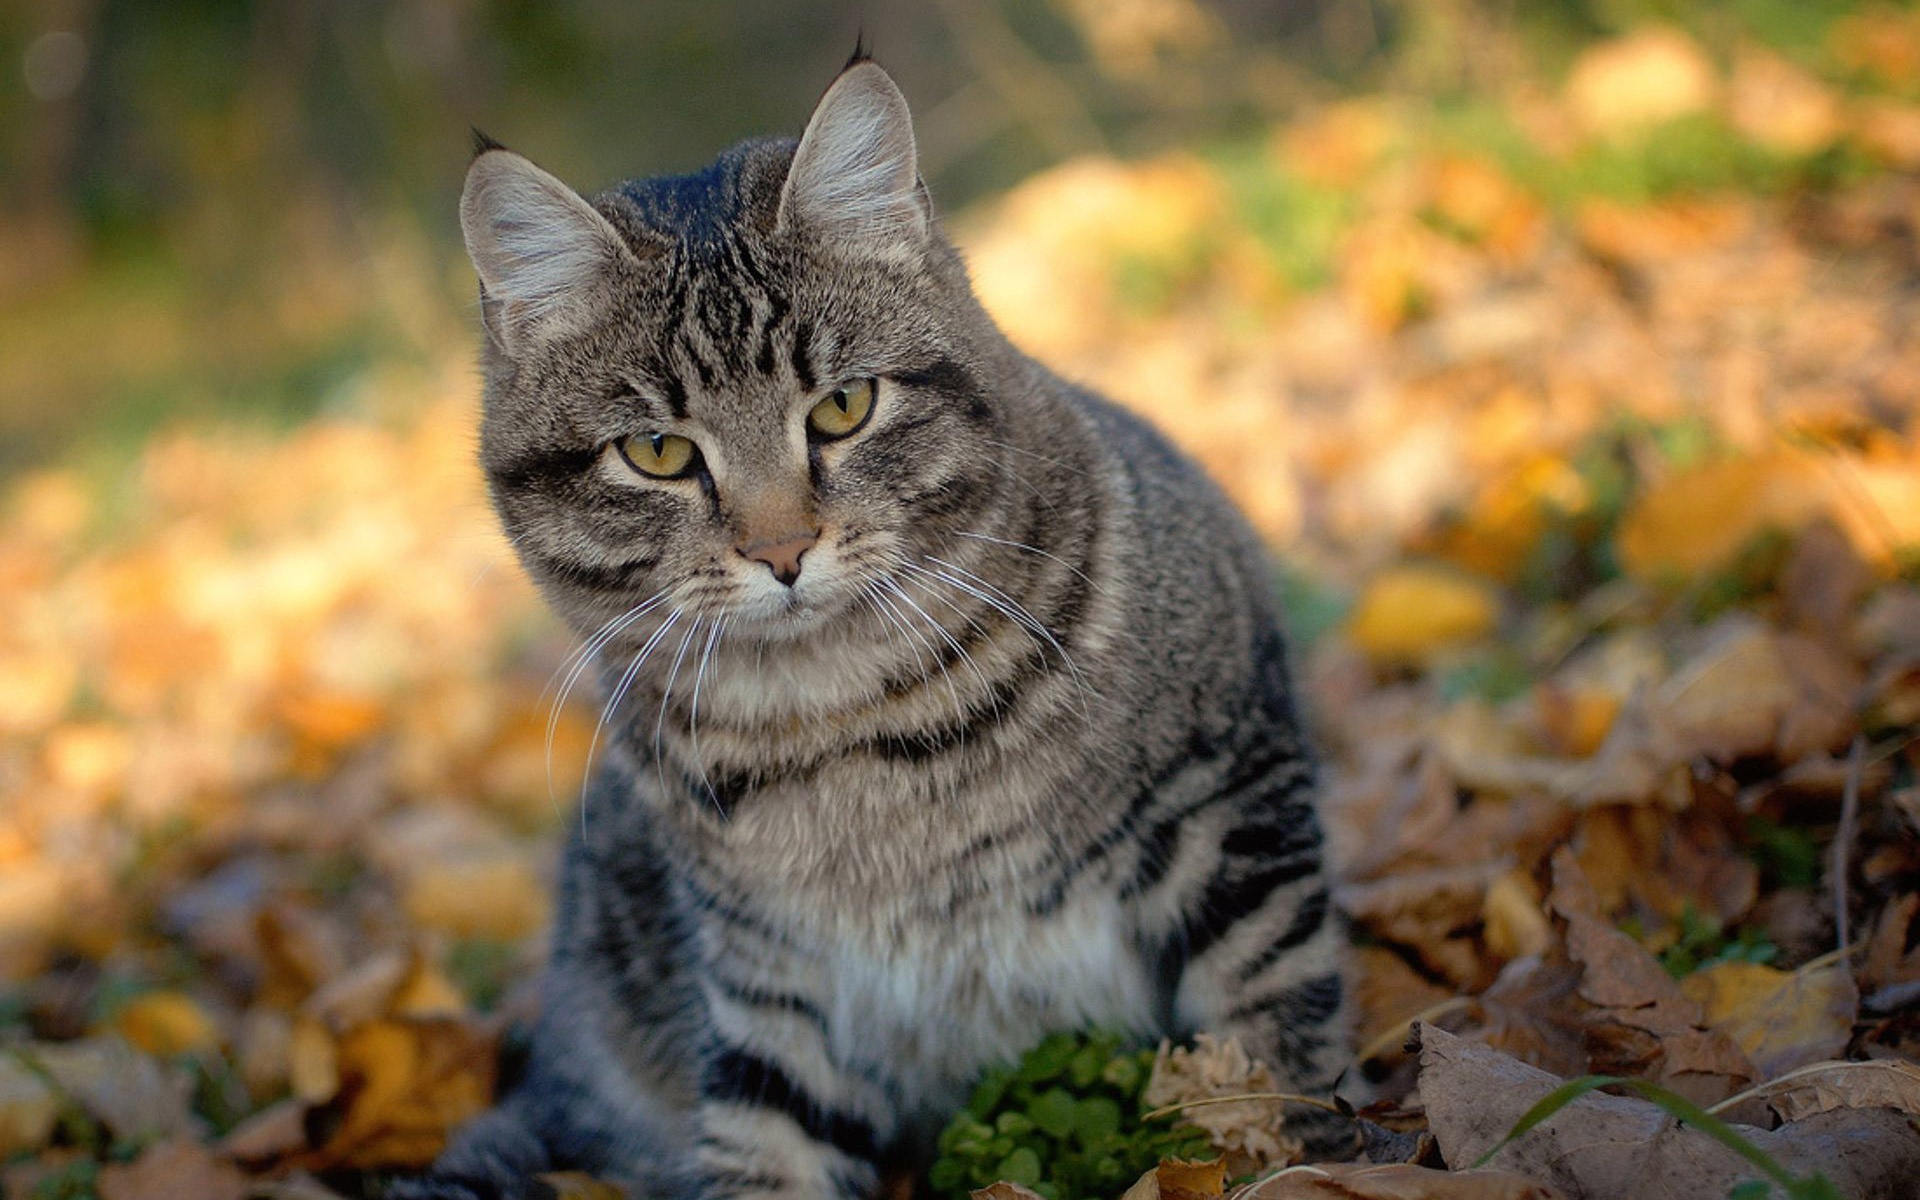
{"points": [[1016, 752]]}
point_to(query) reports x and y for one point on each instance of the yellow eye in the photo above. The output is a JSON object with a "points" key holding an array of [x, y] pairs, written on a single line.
{"points": [[661, 455], [844, 411]]}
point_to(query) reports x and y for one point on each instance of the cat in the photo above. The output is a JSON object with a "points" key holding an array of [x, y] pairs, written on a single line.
{"points": [[947, 704]]}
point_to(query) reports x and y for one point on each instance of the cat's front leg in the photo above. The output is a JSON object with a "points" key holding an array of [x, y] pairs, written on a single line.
{"points": [[773, 1126]]}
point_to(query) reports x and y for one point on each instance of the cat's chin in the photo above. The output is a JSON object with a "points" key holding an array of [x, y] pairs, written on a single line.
{"points": [[793, 617]]}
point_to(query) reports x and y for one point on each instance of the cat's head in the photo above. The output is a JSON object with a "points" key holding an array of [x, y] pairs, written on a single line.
{"points": [[750, 391]]}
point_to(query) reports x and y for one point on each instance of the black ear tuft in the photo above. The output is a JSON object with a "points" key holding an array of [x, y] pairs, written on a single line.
{"points": [[861, 52], [482, 143]]}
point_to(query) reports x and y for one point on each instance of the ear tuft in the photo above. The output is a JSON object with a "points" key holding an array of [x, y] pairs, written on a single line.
{"points": [[481, 142], [861, 52], [544, 255], [855, 179]]}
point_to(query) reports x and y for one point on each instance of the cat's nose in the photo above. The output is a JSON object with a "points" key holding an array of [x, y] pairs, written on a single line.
{"points": [[780, 554]]}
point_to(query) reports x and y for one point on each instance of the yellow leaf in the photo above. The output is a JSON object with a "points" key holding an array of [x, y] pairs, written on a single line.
{"points": [[313, 1062], [166, 1023], [1696, 520], [1514, 919], [496, 897], [1623, 86], [405, 1084], [1408, 612], [1179, 1179], [1576, 720], [1782, 1019]]}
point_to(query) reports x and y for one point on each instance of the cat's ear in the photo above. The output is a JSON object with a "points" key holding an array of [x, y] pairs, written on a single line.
{"points": [[545, 256], [855, 179]]}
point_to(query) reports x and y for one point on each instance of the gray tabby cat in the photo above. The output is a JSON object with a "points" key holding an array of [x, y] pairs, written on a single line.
{"points": [[947, 703]]}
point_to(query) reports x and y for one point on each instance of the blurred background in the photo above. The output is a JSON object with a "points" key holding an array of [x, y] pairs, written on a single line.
{"points": [[1569, 350]]}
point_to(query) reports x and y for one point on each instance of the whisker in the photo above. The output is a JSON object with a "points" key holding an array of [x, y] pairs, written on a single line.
{"points": [[580, 659], [666, 697], [959, 710], [608, 710], [986, 688], [693, 716], [1013, 610], [1012, 545], [915, 635]]}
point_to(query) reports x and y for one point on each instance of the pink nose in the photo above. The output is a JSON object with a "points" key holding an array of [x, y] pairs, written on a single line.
{"points": [[782, 555]]}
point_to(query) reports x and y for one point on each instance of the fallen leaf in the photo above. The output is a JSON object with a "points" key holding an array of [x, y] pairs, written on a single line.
{"points": [[1179, 1179], [173, 1170], [275, 1132], [137, 1098], [1823, 1087], [1406, 613], [1782, 1019], [1602, 1147], [1391, 1181], [1694, 522], [404, 1085], [1623, 86], [1250, 1134], [166, 1023], [1640, 1022], [498, 897]]}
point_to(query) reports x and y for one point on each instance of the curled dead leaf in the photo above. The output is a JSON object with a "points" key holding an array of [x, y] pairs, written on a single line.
{"points": [[1249, 1133], [1392, 1181], [1825, 1086]]}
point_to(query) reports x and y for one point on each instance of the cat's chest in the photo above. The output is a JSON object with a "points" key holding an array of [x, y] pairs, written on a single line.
{"points": [[941, 1001]]}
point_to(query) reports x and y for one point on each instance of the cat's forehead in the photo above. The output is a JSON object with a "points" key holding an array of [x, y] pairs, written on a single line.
{"points": [[703, 210]]}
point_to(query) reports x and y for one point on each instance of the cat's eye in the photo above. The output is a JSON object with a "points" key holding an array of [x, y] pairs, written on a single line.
{"points": [[844, 411], [661, 455]]}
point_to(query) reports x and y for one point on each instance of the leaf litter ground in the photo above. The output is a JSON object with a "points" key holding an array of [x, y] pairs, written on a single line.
{"points": [[1600, 498]]}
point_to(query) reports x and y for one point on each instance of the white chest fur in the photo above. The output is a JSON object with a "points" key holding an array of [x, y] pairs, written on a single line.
{"points": [[947, 1001]]}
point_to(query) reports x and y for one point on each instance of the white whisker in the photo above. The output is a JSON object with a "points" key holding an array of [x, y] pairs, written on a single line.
{"points": [[607, 711], [693, 715]]}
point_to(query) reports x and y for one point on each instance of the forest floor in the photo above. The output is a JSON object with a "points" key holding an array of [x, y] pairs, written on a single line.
{"points": [[1586, 427]]}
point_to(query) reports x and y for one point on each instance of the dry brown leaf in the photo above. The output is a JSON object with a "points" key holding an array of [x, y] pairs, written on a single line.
{"points": [[1640, 1022], [1532, 1013], [135, 1097], [1179, 1179], [1601, 1147], [276, 1132], [1393, 1181], [1250, 1134], [1782, 1019], [1435, 913], [174, 1170], [1823, 1087]]}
